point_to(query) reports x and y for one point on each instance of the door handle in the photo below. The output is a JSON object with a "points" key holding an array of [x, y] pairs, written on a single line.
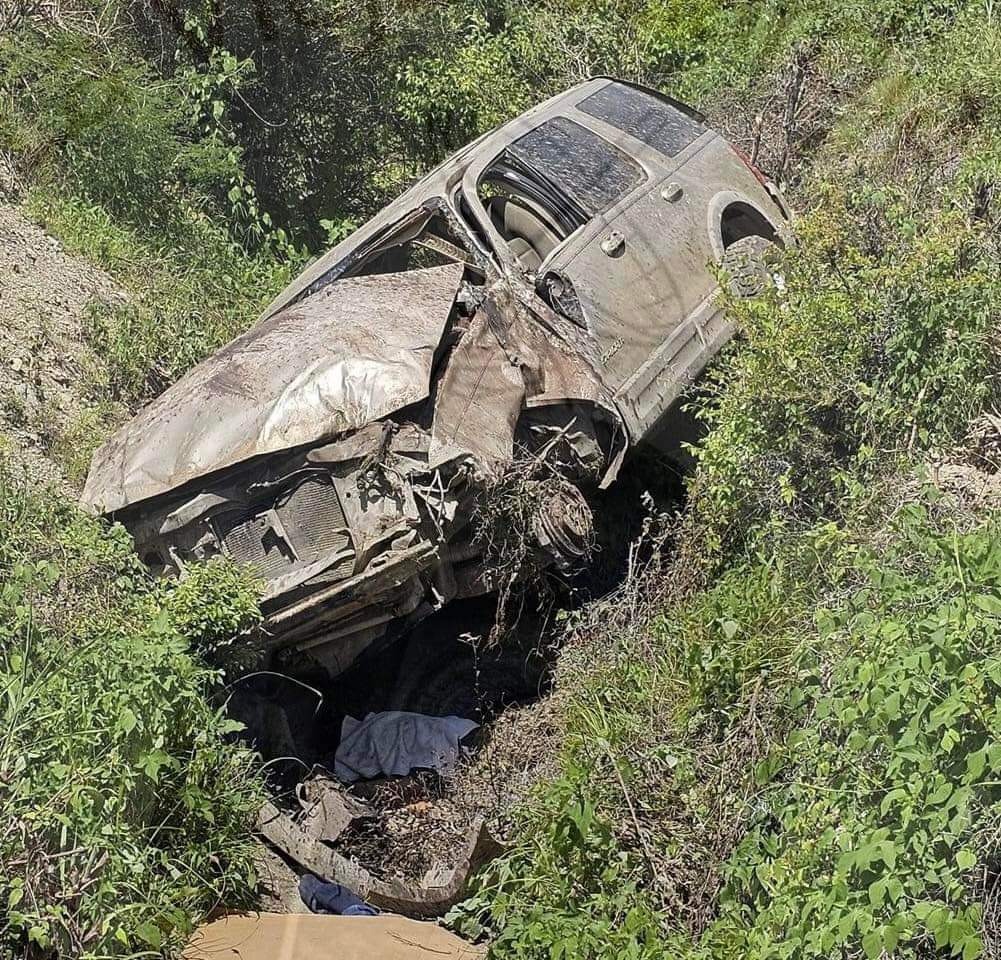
{"points": [[613, 244], [672, 192]]}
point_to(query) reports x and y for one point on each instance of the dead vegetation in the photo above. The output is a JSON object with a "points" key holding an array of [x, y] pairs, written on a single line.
{"points": [[621, 636], [782, 120], [527, 517], [16, 12]]}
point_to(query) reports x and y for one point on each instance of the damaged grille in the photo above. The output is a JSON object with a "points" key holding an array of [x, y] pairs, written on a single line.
{"points": [[252, 539], [315, 521], [307, 526]]}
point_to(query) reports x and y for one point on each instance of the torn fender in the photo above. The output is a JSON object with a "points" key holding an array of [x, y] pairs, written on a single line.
{"points": [[506, 364], [479, 399], [357, 350]]}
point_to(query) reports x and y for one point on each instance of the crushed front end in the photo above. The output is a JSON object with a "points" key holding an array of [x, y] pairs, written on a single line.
{"points": [[346, 537], [339, 447]]}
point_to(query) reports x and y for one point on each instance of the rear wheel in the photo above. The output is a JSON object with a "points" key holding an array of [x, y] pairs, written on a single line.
{"points": [[749, 263]]}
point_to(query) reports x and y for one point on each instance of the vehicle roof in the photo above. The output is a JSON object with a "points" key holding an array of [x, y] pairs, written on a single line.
{"points": [[442, 180]]}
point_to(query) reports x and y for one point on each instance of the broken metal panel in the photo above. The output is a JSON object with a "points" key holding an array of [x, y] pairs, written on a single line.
{"points": [[373, 442], [326, 810], [566, 377], [479, 399], [379, 511], [352, 353], [382, 586], [506, 364]]}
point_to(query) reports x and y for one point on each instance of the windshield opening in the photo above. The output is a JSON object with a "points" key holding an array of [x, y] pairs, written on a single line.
{"points": [[431, 243]]}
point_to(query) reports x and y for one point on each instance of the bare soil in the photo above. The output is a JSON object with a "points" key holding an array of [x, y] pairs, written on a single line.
{"points": [[45, 363]]}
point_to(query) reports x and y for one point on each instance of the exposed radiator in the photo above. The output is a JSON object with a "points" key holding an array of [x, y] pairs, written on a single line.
{"points": [[313, 522], [249, 540]]}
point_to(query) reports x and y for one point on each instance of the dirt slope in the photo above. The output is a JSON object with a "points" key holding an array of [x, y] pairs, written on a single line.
{"points": [[45, 365]]}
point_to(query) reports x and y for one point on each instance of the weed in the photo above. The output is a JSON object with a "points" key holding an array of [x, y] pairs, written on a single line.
{"points": [[787, 742], [187, 297], [126, 812], [866, 834]]}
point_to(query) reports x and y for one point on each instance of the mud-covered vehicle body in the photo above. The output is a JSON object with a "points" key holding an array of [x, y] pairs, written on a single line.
{"points": [[547, 292]]}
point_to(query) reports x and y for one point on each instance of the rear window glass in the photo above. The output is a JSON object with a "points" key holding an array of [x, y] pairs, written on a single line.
{"points": [[643, 116], [588, 168]]}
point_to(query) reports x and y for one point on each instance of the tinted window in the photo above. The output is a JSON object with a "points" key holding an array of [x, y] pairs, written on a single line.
{"points": [[643, 116], [579, 162]]}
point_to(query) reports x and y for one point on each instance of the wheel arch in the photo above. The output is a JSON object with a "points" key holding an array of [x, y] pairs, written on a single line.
{"points": [[732, 216]]}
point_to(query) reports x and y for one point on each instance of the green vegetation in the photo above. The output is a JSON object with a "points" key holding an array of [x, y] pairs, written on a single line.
{"points": [[801, 772], [879, 805], [126, 810], [140, 174], [785, 743], [799, 759], [877, 344]]}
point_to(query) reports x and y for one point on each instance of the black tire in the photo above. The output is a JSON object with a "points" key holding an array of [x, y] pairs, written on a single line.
{"points": [[748, 264]]}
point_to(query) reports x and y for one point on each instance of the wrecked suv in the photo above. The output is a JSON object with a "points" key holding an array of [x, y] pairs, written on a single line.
{"points": [[548, 293]]}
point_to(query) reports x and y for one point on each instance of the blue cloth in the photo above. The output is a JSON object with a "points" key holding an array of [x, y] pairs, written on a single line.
{"points": [[323, 897]]}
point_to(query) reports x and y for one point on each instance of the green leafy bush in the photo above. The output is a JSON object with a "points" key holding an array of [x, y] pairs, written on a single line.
{"points": [[877, 342], [188, 293], [141, 174], [98, 121], [126, 810], [570, 892], [867, 834], [213, 603]]}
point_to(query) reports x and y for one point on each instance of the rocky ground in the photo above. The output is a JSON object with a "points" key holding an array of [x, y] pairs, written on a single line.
{"points": [[46, 366]]}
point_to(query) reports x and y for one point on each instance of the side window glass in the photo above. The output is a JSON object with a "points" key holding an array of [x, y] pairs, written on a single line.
{"points": [[588, 168], [549, 183]]}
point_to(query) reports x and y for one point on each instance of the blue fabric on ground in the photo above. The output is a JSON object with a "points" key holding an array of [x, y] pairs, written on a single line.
{"points": [[323, 897]]}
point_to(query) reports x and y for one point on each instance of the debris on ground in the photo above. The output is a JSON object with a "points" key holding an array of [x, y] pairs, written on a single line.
{"points": [[409, 843], [327, 810], [440, 888], [269, 936]]}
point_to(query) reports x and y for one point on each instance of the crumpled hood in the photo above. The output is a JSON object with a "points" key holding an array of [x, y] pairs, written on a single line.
{"points": [[355, 351]]}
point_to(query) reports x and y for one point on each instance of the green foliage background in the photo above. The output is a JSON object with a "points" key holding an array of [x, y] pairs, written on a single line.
{"points": [[783, 745]]}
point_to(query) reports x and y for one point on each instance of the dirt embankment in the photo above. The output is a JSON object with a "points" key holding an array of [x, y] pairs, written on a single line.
{"points": [[46, 368]]}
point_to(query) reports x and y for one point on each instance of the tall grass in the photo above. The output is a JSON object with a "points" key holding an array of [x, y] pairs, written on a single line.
{"points": [[773, 747]]}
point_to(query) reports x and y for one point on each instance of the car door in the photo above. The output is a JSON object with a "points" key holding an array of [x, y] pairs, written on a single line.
{"points": [[626, 263], [583, 175], [641, 275]]}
